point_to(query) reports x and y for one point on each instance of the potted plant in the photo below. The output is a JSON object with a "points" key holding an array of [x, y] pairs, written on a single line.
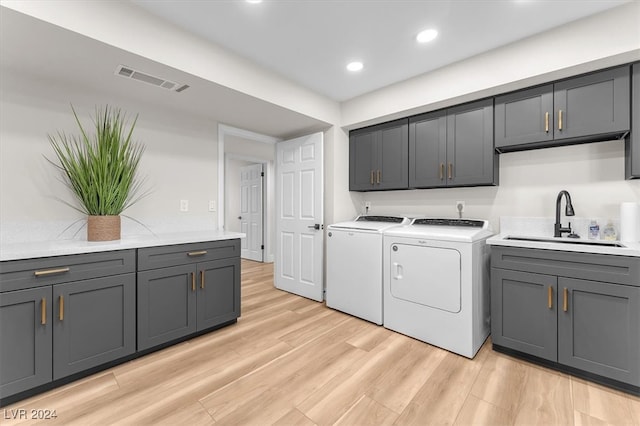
{"points": [[101, 170]]}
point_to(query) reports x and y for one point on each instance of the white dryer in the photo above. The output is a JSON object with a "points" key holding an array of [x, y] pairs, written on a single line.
{"points": [[436, 282], [354, 265]]}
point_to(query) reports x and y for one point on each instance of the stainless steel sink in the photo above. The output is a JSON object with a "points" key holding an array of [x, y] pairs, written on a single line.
{"points": [[567, 241]]}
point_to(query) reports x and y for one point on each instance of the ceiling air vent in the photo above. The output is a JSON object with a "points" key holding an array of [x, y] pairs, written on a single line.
{"points": [[130, 73]]}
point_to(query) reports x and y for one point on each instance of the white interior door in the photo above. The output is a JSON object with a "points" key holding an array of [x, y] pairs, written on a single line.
{"points": [[251, 212], [299, 216]]}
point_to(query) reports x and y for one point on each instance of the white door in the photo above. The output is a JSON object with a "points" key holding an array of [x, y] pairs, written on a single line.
{"points": [[251, 212], [299, 216]]}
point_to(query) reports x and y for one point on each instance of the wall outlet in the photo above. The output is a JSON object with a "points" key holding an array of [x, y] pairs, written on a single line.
{"points": [[184, 205], [212, 206], [460, 206]]}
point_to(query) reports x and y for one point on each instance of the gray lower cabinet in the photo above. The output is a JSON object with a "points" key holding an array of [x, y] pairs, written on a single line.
{"points": [[522, 318], [453, 147], [378, 157], [26, 336], [599, 328], [62, 315], [201, 290], [575, 309], [632, 147], [166, 305], [586, 108], [93, 323]]}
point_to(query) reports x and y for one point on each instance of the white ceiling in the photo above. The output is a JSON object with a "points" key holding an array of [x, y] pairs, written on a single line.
{"points": [[311, 41], [35, 54]]}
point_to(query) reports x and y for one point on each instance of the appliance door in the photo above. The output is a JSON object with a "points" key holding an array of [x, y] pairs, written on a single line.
{"points": [[426, 275], [354, 273]]}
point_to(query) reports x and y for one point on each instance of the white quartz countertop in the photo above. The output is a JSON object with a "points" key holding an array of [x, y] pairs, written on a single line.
{"points": [[565, 244], [31, 250], [542, 229]]}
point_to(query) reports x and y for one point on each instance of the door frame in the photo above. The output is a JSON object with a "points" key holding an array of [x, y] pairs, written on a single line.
{"points": [[269, 184]]}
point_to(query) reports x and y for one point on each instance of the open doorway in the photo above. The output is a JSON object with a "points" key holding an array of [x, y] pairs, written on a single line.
{"points": [[248, 207], [245, 205]]}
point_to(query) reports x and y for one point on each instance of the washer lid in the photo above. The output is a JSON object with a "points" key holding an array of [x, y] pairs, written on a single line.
{"points": [[444, 229], [372, 223]]}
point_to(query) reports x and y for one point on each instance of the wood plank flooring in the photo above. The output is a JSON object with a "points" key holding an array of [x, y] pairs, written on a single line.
{"points": [[292, 361]]}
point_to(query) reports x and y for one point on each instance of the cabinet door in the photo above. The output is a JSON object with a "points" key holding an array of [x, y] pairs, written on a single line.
{"points": [[25, 333], [593, 104], [524, 117], [428, 150], [218, 292], [470, 152], [392, 157], [523, 312], [600, 329], [632, 151], [362, 152], [93, 323], [166, 304]]}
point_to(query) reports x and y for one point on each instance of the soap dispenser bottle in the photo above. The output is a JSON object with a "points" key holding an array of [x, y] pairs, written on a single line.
{"points": [[594, 230], [609, 232]]}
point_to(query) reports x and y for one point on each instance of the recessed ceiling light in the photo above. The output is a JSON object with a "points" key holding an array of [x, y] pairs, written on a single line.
{"points": [[355, 66], [254, 1], [427, 35]]}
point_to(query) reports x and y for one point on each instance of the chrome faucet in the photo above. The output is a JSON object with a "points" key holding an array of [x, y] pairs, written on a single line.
{"points": [[558, 229]]}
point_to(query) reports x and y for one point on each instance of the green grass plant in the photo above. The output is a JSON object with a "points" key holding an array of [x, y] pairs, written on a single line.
{"points": [[101, 169]]}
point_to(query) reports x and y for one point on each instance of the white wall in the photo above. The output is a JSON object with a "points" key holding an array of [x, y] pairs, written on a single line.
{"points": [[180, 161], [529, 183]]}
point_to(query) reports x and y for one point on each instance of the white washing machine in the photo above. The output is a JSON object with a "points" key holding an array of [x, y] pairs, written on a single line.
{"points": [[354, 265], [436, 282]]}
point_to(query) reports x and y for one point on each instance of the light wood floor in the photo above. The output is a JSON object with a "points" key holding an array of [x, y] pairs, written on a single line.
{"points": [[290, 360]]}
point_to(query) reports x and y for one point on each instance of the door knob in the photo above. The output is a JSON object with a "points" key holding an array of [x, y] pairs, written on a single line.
{"points": [[314, 226], [240, 217]]}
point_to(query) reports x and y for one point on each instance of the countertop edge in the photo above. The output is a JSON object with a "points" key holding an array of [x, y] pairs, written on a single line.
{"points": [[631, 249], [42, 249]]}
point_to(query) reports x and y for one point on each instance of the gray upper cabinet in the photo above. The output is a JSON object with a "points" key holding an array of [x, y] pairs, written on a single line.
{"points": [[471, 159], [524, 117], [428, 150], [453, 147], [632, 147], [93, 323], [591, 107], [26, 336], [378, 157]]}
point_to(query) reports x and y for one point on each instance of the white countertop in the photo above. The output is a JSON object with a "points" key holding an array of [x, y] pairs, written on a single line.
{"points": [[543, 228], [31, 250]]}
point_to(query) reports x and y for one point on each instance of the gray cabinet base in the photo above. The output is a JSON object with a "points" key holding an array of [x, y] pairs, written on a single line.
{"points": [[624, 387], [77, 376]]}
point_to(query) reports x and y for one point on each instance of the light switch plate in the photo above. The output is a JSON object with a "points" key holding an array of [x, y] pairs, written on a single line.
{"points": [[184, 205], [212, 206]]}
